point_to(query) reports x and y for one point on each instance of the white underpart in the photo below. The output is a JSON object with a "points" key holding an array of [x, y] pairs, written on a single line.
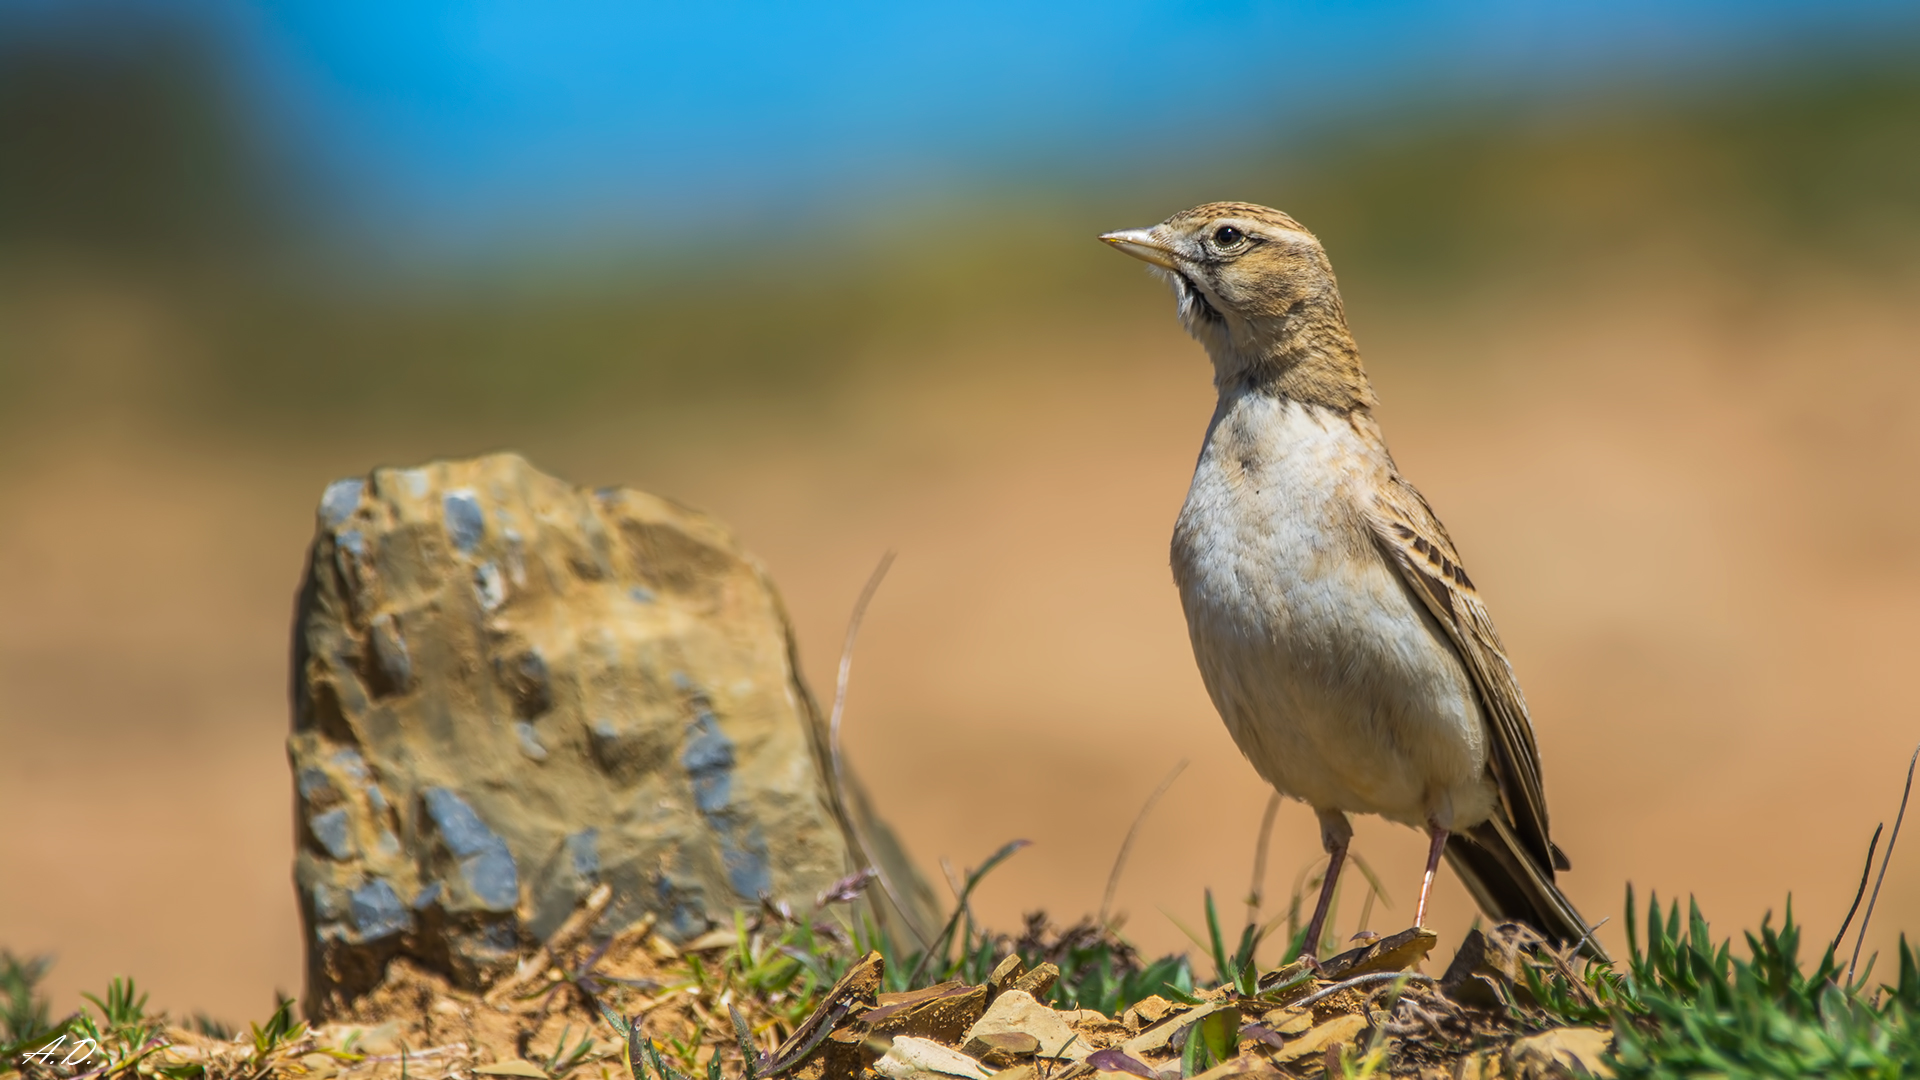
{"points": [[1335, 682]]}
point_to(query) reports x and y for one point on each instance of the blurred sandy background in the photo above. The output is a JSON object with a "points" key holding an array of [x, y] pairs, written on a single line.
{"points": [[1648, 338]]}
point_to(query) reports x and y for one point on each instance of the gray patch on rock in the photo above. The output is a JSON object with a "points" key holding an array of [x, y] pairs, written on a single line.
{"points": [[708, 759], [466, 524], [377, 911], [340, 500], [583, 851], [746, 863], [316, 787], [331, 831], [486, 866], [682, 907], [349, 761]]}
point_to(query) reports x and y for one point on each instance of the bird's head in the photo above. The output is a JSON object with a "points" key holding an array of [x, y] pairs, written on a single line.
{"points": [[1254, 287]]}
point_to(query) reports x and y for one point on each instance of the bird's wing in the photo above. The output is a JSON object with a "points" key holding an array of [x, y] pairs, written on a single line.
{"points": [[1416, 542]]}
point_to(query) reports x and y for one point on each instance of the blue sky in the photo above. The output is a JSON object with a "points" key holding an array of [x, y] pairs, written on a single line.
{"points": [[487, 119]]}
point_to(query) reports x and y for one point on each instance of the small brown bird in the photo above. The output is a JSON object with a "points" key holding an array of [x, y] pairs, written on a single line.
{"points": [[1335, 629]]}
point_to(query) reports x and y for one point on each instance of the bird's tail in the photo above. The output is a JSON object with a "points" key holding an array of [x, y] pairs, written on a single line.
{"points": [[1509, 885]]}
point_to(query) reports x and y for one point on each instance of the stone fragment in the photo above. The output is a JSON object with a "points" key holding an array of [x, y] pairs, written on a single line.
{"points": [[1560, 1054], [1314, 1042], [1004, 973], [508, 690], [1485, 973], [1038, 981], [1017, 1011], [942, 1012], [1002, 1048], [911, 1056], [1401, 952], [1146, 1012]]}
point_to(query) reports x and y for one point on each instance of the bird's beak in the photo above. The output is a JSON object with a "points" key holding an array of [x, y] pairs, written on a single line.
{"points": [[1141, 244]]}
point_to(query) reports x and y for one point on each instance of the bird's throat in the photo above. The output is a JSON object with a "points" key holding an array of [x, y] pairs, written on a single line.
{"points": [[1308, 357]]}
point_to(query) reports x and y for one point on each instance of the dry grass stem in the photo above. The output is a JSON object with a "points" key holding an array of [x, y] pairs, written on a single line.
{"points": [[1892, 838], [1126, 845]]}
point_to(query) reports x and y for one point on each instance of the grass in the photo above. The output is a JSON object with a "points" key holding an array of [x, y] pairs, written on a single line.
{"points": [[1685, 1005], [1681, 1003]]}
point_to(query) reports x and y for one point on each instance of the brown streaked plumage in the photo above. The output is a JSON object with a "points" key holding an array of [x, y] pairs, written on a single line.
{"points": [[1334, 625]]}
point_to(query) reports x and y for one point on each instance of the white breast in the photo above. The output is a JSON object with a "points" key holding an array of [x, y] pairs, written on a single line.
{"points": [[1337, 685]]}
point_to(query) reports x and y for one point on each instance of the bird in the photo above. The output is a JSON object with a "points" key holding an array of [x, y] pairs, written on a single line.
{"points": [[1335, 628]]}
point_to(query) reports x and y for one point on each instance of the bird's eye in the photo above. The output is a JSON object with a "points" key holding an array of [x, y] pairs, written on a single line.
{"points": [[1228, 237]]}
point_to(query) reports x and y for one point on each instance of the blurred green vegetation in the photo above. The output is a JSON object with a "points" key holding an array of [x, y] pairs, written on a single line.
{"points": [[130, 172]]}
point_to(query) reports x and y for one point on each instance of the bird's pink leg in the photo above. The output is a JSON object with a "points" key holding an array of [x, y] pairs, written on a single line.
{"points": [[1439, 835], [1335, 834]]}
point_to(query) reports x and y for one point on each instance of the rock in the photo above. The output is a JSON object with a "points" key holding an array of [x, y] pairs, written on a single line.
{"points": [[1038, 981], [1560, 1054], [1401, 952], [910, 1056], [1485, 973], [1004, 973], [1341, 1029], [1002, 1048], [942, 1012], [1017, 1012], [1146, 1012], [508, 690]]}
